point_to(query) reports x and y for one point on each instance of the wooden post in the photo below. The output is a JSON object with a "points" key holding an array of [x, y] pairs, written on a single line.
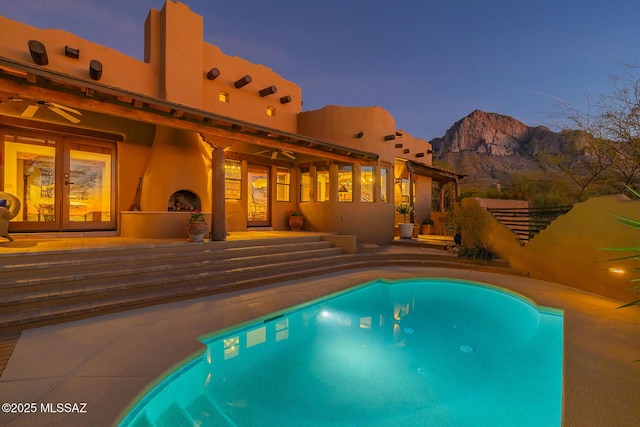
{"points": [[218, 211]]}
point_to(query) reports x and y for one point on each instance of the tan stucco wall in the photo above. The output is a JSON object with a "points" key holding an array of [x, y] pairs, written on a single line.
{"points": [[340, 125], [567, 250], [177, 61], [175, 69]]}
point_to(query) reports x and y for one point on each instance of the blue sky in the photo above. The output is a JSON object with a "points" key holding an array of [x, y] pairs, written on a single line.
{"points": [[428, 62]]}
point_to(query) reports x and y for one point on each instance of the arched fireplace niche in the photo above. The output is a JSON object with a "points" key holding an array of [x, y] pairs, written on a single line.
{"points": [[184, 200]]}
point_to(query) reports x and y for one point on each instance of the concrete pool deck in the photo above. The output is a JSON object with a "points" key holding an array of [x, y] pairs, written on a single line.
{"points": [[106, 362]]}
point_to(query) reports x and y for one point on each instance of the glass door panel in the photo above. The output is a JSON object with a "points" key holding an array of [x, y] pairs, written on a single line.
{"points": [[62, 183], [30, 175], [258, 196], [88, 194]]}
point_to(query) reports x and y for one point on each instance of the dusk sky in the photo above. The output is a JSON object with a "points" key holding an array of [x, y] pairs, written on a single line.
{"points": [[429, 63]]}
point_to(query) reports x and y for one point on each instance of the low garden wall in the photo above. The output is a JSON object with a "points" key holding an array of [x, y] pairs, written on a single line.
{"points": [[570, 250]]}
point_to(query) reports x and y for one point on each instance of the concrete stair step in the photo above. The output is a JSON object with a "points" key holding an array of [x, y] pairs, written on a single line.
{"points": [[151, 292], [99, 267], [244, 265], [48, 292], [79, 257]]}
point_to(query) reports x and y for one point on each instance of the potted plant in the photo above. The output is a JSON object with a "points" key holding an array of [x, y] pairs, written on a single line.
{"points": [[296, 220], [428, 227], [197, 226], [406, 229]]}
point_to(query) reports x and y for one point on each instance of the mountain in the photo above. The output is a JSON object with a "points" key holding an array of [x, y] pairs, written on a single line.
{"points": [[489, 147]]}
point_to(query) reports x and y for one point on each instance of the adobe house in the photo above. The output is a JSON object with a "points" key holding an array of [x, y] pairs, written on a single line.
{"points": [[92, 139]]}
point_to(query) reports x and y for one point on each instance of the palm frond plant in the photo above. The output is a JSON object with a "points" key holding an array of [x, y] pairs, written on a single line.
{"points": [[634, 255]]}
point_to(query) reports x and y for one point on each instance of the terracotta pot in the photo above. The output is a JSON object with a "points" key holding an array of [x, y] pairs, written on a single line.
{"points": [[197, 230], [296, 223]]}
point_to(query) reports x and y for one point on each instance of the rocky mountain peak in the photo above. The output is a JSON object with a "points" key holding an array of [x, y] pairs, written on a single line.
{"points": [[488, 147], [484, 133]]}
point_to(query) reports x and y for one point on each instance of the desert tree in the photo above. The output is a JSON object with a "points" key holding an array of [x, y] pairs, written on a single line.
{"points": [[610, 143]]}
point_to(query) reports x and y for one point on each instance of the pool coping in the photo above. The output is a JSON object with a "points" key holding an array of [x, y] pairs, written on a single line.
{"points": [[101, 361]]}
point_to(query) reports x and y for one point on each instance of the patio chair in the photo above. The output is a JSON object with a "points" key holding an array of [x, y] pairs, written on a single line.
{"points": [[9, 208]]}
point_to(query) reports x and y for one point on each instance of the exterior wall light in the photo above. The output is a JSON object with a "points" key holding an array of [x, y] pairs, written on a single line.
{"points": [[71, 52], [95, 69], [243, 81], [406, 151], [285, 99], [389, 137], [419, 154], [213, 74], [38, 52], [359, 134], [269, 90]]}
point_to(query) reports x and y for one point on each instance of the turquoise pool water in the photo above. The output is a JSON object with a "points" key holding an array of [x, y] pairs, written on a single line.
{"points": [[423, 352]]}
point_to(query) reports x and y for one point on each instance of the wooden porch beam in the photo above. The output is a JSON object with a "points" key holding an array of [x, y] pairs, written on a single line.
{"points": [[148, 115]]}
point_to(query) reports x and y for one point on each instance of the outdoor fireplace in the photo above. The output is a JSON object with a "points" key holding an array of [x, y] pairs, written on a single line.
{"points": [[178, 163], [175, 182], [184, 200]]}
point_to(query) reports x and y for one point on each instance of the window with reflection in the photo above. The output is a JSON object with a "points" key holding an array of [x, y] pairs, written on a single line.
{"points": [[322, 185], [366, 184], [345, 183], [383, 184], [232, 179], [283, 183], [305, 185]]}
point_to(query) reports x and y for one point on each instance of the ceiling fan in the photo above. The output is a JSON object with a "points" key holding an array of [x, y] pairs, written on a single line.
{"points": [[61, 110], [274, 154]]}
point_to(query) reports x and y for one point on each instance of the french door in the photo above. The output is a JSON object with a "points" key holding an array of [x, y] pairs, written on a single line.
{"points": [[258, 196], [64, 183]]}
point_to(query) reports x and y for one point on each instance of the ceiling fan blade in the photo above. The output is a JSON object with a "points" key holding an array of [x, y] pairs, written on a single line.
{"points": [[274, 155], [289, 154], [30, 111], [64, 107], [64, 114]]}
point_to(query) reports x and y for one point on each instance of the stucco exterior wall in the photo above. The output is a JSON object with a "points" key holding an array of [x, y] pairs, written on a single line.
{"points": [[567, 251], [341, 125], [119, 70], [176, 64]]}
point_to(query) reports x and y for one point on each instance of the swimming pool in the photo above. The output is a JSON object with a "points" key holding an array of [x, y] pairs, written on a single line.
{"points": [[436, 352]]}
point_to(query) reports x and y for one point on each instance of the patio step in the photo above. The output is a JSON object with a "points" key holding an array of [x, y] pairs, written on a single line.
{"points": [[50, 287], [54, 287]]}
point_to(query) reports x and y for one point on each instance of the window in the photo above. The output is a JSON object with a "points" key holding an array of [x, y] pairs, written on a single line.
{"points": [[405, 190], [366, 184], [322, 185], [345, 183], [223, 97], [305, 185], [232, 179], [283, 183], [383, 185], [271, 111]]}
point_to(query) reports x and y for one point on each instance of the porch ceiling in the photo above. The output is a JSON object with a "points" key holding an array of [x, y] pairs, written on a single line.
{"points": [[437, 174], [20, 80]]}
